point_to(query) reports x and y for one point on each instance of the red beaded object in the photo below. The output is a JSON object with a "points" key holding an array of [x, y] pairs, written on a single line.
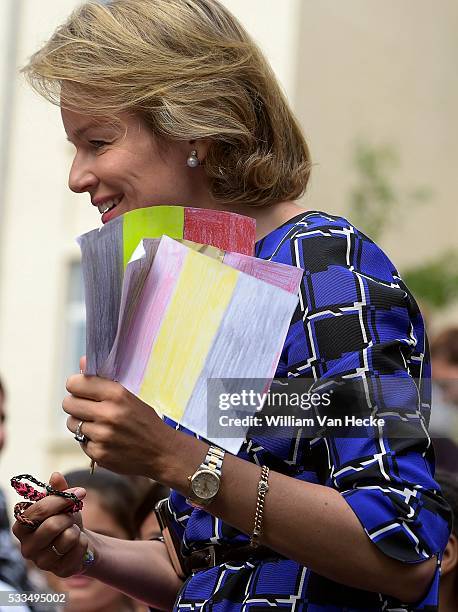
{"points": [[29, 492]]}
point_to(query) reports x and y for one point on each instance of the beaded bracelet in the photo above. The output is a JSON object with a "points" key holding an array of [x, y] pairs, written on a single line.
{"points": [[28, 492], [263, 487]]}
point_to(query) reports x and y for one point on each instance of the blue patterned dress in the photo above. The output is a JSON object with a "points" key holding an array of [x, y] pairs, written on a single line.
{"points": [[355, 319]]}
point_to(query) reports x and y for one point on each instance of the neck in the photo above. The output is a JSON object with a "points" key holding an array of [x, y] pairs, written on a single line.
{"points": [[267, 217], [271, 217]]}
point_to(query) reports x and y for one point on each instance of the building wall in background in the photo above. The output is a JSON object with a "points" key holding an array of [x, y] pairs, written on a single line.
{"points": [[9, 22], [383, 72]]}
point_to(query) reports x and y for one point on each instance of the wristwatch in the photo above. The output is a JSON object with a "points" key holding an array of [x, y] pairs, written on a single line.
{"points": [[205, 481]]}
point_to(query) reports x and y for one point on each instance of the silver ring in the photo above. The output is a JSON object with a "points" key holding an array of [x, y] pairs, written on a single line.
{"points": [[80, 437], [54, 549]]}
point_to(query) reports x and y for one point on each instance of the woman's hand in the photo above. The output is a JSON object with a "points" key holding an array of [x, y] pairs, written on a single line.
{"points": [[124, 434], [58, 528]]}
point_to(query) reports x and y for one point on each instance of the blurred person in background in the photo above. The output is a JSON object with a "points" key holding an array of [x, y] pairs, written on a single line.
{"points": [[448, 593], [13, 570], [147, 525], [444, 414], [444, 356], [110, 509]]}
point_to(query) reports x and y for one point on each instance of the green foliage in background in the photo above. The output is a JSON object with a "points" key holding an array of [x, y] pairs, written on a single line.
{"points": [[436, 281], [375, 202], [373, 198]]}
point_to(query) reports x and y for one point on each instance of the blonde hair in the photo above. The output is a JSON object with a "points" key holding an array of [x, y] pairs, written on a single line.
{"points": [[190, 69]]}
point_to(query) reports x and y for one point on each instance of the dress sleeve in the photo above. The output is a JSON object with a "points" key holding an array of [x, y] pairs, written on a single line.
{"points": [[358, 334]]}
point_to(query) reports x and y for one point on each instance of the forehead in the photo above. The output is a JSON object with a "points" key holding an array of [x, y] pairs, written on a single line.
{"points": [[76, 124], [441, 364], [98, 518]]}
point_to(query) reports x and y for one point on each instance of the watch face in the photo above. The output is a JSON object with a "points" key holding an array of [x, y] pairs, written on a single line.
{"points": [[205, 484]]}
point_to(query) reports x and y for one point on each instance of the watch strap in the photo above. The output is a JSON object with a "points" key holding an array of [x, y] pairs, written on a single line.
{"points": [[213, 461]]}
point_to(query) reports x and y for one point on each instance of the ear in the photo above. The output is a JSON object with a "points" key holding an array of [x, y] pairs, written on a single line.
{"points": [[450, 558], [201, 146]]}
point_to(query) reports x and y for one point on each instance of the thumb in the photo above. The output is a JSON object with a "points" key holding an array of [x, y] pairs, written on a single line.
{"points": [[83, 364], [58, 482]]}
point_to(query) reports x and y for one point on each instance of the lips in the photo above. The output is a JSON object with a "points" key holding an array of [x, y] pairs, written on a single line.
{"points": [[78, 581], [110, 214], [107, 205]]}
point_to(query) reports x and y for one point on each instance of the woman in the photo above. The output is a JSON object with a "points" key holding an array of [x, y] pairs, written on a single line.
{"points": [[181, 107], [109, 509]]}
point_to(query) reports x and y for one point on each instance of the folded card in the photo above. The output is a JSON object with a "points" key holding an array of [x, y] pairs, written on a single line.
{"points": [[165, 316], [106, 251], [196, 319]]}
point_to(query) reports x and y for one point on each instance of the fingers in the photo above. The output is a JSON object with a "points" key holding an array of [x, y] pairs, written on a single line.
{"points": [[83, 362], [43, 537], [66, 558], [94, 432], [44, 509], [58, 530], [58, 482], [89, 387], [99, 438], [95, 388], [67, 540], [81, 409], [72, 425]]}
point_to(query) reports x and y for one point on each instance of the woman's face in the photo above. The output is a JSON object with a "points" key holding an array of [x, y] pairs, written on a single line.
{"points": [[87, 594], [123, 167]]}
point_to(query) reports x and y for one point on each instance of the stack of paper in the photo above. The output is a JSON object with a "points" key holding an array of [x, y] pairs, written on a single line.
{"points": [[106, 252], [181, 314]]}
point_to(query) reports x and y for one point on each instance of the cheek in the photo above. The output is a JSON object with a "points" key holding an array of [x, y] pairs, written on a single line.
{"points": [[114, 166], [58, 585], [92, 597], [150, 528], [101, 595], [451, 392]]}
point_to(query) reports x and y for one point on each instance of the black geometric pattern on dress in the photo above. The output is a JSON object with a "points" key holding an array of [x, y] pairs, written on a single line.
{"points": [[358, 330]]}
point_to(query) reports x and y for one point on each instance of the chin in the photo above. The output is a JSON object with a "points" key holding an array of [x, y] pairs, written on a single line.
{"points": [[93, 599]]}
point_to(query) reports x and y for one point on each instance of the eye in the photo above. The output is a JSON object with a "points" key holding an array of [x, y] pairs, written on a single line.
{"points": [[98, 144]]}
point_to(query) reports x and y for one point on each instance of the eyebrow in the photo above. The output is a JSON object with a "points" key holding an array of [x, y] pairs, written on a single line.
{"points": [[81, 130], [107, 532]]}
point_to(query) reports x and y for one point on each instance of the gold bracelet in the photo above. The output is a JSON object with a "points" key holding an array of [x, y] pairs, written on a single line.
{"points": [[263, 487]]}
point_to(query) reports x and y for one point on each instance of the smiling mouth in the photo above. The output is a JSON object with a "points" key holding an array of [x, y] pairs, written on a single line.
{"points": [[109, 205]]}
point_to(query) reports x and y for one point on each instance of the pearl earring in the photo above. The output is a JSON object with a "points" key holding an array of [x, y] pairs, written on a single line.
{"points": [[193, 160]]}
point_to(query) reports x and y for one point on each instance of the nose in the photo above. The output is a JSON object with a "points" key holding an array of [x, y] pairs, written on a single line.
{"points": [[81, 177]]}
